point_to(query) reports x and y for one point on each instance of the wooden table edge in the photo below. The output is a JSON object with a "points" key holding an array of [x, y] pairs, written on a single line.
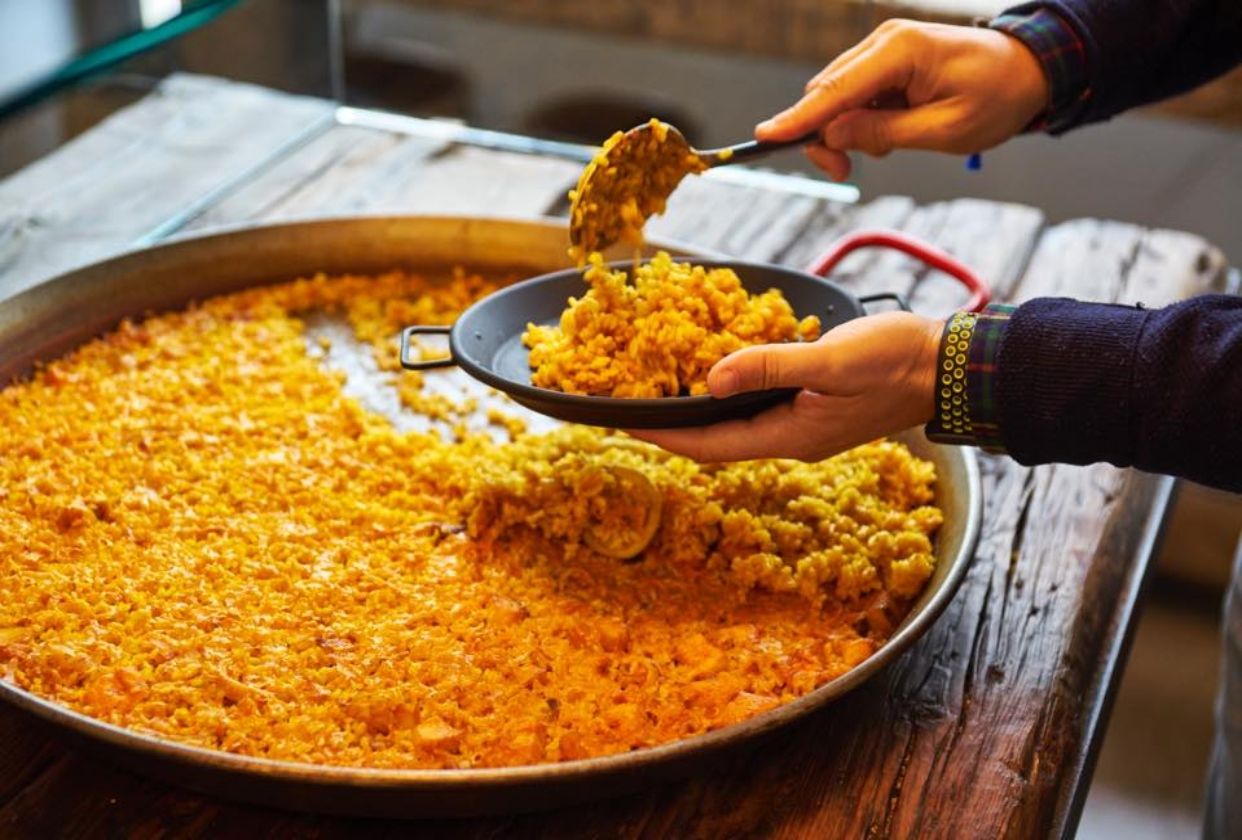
{"points": [[1076, 782]]}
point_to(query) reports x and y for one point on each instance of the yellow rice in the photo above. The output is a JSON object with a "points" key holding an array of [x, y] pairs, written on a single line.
{"points": [[658, 335], [202, 538]]}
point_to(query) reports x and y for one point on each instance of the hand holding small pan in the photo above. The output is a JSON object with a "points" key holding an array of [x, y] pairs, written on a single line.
{"points": [[868, 378]]}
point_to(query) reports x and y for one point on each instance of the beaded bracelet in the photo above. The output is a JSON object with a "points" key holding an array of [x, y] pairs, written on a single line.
{"points": [[966, 409], [952, 406]]}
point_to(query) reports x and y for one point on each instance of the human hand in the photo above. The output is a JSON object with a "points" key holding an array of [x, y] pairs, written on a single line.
{"points": [[963, 90], [865, 379]]}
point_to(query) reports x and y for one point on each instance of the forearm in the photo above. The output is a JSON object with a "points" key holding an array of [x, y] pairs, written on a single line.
{"points": [[1103, 57], [1160, 390]]}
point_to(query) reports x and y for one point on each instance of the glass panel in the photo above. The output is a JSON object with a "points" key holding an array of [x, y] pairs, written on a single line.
{"points": [[73, 41], [66, 64]]}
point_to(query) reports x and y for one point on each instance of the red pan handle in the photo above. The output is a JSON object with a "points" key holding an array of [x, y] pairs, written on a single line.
{"points": [[980, 291]]}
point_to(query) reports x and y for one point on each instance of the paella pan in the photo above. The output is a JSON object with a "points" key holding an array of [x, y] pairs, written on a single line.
{"points": [[43, 324]]}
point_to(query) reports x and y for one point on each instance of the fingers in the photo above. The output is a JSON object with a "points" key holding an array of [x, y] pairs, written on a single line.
{"points": [[835, 163], [854, 87], [767, 366], [878, 132], [839, 62], [765, 435], [877, 66]]}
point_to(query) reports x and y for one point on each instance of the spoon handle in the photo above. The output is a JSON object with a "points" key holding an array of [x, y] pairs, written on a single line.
{"points": [[752, 149]]}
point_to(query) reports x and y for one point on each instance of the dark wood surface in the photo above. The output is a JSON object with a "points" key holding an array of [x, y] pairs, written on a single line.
{"points": [[986, 728]]}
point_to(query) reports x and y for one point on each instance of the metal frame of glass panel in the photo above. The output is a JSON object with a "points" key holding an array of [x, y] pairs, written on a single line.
{"points": [[91, 62]]}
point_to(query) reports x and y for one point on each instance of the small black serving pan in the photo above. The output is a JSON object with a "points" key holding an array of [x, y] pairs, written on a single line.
{"points": [[486, 342]]}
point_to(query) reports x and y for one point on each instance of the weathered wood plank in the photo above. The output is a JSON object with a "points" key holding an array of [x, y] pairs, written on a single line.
{"points": [[481, 182], [137, 169], [301, 182], [1086, 258], [884, 212], [1171, 265], [764, 239], [351, 170], [40, 811], [708, 213], [993, 239], [892, 271], [1037, 626]]}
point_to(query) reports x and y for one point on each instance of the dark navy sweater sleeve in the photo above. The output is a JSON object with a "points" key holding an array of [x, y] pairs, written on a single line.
{"points": [[1141, 51], [1160, 390]]}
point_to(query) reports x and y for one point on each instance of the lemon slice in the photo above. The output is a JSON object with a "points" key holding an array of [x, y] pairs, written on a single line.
{"points": [[632, 518]]}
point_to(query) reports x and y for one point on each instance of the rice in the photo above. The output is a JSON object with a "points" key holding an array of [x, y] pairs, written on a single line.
{"points": [[658, 335], [203, 538]]}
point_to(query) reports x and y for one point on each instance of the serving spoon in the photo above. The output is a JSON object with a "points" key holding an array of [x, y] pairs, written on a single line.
{"points": [[633, 175], [738, 151]]}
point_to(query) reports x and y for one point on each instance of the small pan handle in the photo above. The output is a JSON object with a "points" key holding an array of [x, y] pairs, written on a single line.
{"points": [[422, 364], [981, 292], [900, 300]]}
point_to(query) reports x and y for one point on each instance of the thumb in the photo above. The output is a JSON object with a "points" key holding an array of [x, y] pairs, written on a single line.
{"points": [[767, 366]]}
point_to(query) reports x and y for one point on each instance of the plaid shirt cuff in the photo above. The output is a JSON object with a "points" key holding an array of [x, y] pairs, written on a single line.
{"points": [[966, 409], [1061, 52]]}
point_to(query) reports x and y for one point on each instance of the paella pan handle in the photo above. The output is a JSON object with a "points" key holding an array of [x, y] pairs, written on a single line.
{"points": [[410, 363], [980, 291]]}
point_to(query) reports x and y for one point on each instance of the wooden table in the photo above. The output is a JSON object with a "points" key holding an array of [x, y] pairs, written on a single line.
{"points": [[987, 728]]}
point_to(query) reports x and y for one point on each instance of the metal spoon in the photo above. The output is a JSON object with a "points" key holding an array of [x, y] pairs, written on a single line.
{"points": [[634, 174], [745, 151]]}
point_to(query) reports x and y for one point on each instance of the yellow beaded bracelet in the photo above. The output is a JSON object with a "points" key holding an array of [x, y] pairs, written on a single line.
{"points": [[953, 409]]}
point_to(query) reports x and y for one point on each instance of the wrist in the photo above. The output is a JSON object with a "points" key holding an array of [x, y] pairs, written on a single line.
{"points": [[1055, 45], [925, 373], [1028, 79]]}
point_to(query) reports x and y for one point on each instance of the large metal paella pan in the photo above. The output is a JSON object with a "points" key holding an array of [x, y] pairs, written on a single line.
{"points": [[49, 320]]}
